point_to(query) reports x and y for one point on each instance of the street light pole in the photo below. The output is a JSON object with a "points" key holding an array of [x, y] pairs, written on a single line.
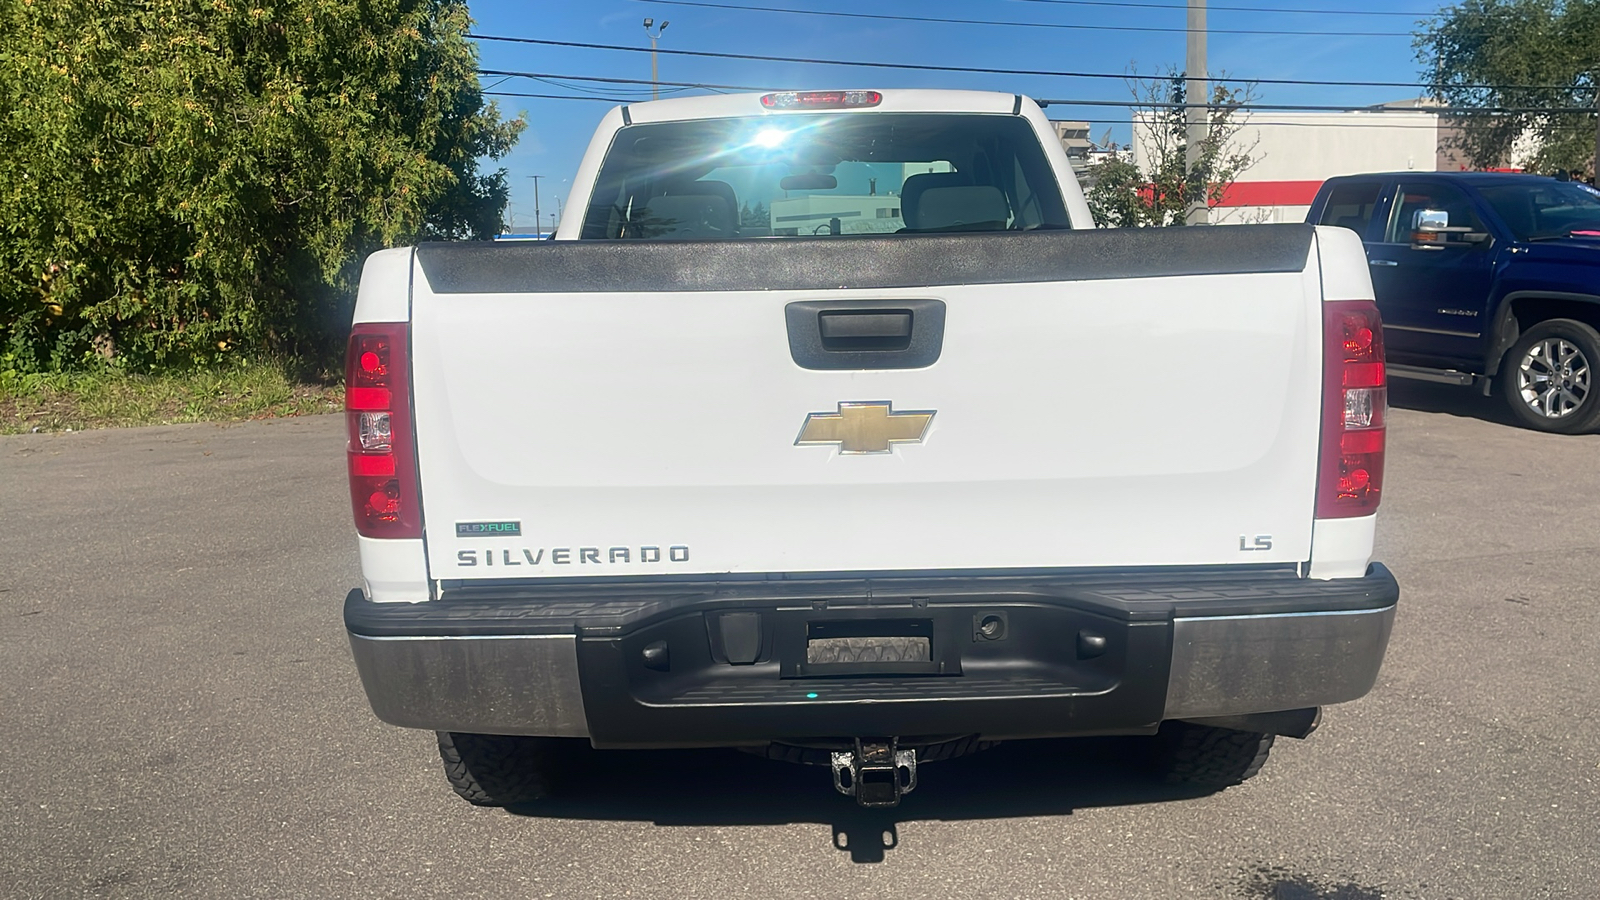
{"points": [[655, 88], [1196, 90], [538, 223]]}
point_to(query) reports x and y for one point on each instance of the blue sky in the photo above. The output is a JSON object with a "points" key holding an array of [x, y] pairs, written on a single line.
{"points": [[559, 130]]}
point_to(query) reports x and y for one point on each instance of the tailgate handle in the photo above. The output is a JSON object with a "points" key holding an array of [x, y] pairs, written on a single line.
{"points": [[865, 330], [865, 334]]}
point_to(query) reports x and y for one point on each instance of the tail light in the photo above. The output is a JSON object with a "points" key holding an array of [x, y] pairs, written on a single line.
{"points": [[383, 464], [1354, 406]]}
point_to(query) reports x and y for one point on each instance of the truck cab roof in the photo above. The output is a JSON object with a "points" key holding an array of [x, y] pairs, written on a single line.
{"points": [[727, 106], [1470, 178]]}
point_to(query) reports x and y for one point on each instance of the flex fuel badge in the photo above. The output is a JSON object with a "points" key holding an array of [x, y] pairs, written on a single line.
{"points": [[488, 529]]}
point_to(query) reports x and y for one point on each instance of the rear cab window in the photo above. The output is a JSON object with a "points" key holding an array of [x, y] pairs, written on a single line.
{"points": [[1351, 204], [824, 175]]}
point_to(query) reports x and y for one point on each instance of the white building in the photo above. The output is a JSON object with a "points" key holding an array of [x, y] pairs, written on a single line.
{"points": [[814, 214], [1296, 152], [1074, 138], [857, 214]]}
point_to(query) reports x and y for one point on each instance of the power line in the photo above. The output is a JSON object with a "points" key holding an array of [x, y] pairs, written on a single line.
{"points": [[553, 82], [1057, 25], [1261, 9], [1374, 122], [988, 70], [548, 78], [1454, 111], [1252, 122], [542, 76], [1246, 123], [556, 96]]}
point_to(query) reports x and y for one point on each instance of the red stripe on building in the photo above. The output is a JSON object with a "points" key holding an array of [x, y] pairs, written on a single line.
{"points": [[1269, 193]]}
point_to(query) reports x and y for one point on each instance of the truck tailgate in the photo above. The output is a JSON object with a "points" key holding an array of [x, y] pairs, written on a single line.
{"points": [[607, 410]]}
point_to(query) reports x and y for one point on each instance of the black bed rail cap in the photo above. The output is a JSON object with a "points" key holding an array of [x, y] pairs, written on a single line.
{"points": [[867, 262]]}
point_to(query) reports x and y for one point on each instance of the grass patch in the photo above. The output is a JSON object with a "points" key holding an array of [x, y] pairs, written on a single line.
{"points": [[110, 398]]}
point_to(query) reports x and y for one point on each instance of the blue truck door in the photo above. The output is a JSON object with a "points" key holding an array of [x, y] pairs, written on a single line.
{"points": [[1432, 300]]}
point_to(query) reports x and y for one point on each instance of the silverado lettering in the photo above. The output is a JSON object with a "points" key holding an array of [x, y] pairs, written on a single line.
{"points": [[564, 556]]}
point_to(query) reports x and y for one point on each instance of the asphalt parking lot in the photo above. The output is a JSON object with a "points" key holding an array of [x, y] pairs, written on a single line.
{"points": [[181, 717]]}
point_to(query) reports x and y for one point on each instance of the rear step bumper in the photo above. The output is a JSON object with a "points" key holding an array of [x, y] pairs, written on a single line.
{"points": [[738, 661]]}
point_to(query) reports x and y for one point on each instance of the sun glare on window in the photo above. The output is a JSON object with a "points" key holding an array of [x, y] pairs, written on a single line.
{"points": [[770, 137]]}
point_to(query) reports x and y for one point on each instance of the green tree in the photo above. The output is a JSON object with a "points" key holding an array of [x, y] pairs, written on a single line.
{"points": [[1519, 54], [181, 180], [755, 217], [1122, 195]]}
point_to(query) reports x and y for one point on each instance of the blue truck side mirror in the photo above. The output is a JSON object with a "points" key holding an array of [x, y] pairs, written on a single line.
{"points": [[1431, 230]]}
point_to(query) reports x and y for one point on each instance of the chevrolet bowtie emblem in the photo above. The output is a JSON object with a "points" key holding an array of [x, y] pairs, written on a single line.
{"points": [[864, 427]]}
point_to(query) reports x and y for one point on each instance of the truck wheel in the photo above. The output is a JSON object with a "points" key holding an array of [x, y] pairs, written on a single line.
{"points": [[1203, 755], [1548, 377], [497, 769]]}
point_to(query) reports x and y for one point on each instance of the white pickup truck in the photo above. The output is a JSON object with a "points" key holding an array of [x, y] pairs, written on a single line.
{"points": [[828, 427]]}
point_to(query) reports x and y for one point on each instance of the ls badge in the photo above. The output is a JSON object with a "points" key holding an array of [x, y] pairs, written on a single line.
{"points": [[864, 427]]}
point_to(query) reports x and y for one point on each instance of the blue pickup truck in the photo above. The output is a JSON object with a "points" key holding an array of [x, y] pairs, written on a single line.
{"points": [[1484, 278]]}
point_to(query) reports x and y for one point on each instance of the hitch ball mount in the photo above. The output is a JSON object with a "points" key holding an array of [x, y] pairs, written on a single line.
{"points": [[877, 772]]}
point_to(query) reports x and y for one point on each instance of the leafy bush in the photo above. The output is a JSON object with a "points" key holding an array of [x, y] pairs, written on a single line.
{"points": [[183, 181], [1120, 195]]}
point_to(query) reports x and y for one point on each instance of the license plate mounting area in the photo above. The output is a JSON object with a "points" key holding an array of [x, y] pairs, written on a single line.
{"points": [[867, 647]]}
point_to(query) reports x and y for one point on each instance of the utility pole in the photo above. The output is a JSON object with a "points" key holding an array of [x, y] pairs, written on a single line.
{"points": [[1196, 92], [655, 88], [1594, 174], [537, 222]]}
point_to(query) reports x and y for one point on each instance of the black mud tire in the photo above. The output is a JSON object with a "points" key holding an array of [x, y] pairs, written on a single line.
{"points": [[1208, 757], [498, 769], [816, 756], [1583, 419]]}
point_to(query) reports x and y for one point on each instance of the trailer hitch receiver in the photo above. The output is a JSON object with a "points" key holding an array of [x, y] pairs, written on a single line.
{"points": [[877, 772]]}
